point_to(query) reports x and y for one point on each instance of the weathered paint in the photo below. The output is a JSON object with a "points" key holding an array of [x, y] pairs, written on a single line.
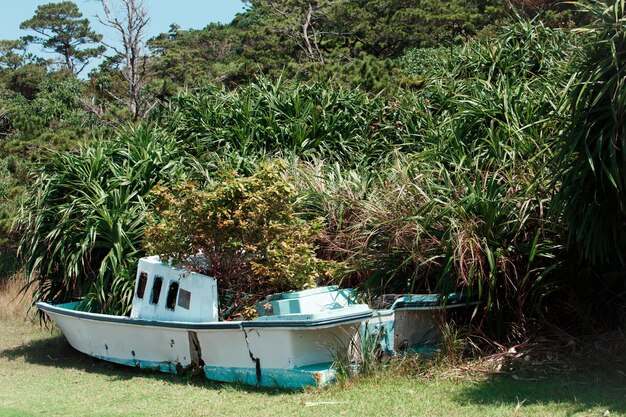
{"points": [[380, 329], [165, 367], [418, 318], [316, 375], [305, 302], [411, 324], [202, 289], [165, 332], [290, 354], [433, 301]]}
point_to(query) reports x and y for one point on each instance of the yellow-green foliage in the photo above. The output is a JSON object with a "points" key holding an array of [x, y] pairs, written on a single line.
{"points": [[246, 227]]}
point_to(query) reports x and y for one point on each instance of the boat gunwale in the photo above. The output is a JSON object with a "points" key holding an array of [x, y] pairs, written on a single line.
{"points": [[217, 325]]}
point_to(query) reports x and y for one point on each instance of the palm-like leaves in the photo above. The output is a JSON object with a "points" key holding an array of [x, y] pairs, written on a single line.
{"points": [[593, 157], [84, 224], [278, 117]]}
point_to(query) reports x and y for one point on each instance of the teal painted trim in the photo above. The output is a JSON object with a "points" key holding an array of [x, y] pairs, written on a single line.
{"points": [[312, 375], [305, 321], [166, 367], [68, 309], [301, 294], [296, 378], [432, 301]]}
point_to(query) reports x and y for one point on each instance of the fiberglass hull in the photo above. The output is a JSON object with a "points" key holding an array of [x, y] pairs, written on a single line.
{"points": [[283, 353]]}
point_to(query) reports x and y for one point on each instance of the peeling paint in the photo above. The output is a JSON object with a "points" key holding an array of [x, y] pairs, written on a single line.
{"points": [[292, 348]]}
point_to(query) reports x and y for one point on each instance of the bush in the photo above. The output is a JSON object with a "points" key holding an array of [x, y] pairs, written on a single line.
{"points": [[415, 226], [467, 208], [245, 227]]}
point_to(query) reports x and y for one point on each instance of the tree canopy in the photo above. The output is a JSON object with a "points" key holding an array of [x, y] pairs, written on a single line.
{"points": [[61, 28]]}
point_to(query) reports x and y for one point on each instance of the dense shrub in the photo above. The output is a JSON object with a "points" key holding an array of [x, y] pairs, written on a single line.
{"points": [[246, 229], [415, 226], [467, 208]]}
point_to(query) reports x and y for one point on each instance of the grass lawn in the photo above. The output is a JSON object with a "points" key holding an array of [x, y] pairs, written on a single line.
{"points": [[40, 374]]}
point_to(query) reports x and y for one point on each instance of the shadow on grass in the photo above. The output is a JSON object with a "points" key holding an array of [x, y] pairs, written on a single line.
{"points": [[582, 390], [55, 351]]}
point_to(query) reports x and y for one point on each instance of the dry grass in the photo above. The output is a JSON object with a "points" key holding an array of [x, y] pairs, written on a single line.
{"points": [[14, 303]]}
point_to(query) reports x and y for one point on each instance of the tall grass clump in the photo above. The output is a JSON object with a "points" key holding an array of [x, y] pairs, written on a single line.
{"points": [[290, 118], [86, 218], [15, 303], [592, 194], [466, 209], [416, 227], [10, 198]]}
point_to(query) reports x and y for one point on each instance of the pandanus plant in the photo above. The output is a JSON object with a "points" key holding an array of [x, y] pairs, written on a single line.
{"points": [[593, 157]]}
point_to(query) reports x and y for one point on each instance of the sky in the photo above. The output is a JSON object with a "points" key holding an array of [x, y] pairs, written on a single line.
{"points": [[188, 14]]}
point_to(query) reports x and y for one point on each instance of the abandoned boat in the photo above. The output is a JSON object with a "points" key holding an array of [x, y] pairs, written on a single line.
{"points": [[174, 325], [412, 323]]}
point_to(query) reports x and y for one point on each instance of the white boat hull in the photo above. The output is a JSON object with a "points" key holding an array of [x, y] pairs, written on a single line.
{"points": [[280, 353]]}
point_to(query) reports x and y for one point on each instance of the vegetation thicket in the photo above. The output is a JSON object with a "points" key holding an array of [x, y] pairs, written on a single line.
{"points": [[593, 190], [436, 174], [83, 226]]}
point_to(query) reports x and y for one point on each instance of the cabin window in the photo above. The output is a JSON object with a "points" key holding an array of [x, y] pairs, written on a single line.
{"points": [[172, 292], [156, 290], [141, 285], [184, 298]]}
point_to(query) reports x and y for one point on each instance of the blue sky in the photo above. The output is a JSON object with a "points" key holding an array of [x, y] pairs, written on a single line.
{"points": [[189, 14]]}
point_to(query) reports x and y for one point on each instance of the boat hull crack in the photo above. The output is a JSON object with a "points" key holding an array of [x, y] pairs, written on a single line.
{"points": [[255, 360], [195, 350]]}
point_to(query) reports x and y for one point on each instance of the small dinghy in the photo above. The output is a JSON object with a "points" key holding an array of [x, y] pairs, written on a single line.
{"points": [[174, 325]]}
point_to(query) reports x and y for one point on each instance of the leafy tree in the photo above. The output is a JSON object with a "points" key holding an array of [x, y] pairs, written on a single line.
{"points": [[195, 58], [13, 55], [300, 21], [306, 38], [26, 80], [61, 29], [385, 28], [106, 89], [52, 118]]}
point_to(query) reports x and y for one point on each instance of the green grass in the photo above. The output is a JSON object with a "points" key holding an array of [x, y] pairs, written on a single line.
{"points": [[40, 374]]}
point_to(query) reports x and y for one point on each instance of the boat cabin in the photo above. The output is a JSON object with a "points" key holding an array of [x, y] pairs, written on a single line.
{"points": [[165, 293]]}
